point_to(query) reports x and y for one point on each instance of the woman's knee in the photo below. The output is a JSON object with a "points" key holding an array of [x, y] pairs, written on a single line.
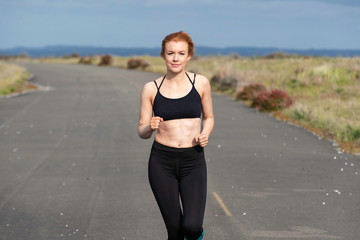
{"points": [[175, 231], [193, 231]]}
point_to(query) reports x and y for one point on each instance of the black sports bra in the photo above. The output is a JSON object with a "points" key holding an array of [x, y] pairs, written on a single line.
{"points": [[188, 106]]}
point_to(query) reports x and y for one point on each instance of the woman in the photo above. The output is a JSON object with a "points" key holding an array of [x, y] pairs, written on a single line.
{"points": [[181, 103]]}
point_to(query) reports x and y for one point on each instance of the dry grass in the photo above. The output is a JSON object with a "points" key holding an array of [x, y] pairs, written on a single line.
{"points": [[326, 90], [12, 79]]}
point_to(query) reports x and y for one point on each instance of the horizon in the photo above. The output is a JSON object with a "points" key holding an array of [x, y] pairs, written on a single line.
{"points": [[159, 47], [67, 50]]}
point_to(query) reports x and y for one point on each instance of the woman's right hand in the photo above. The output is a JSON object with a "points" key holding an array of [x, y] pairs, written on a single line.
{"points": [[155, 123]]}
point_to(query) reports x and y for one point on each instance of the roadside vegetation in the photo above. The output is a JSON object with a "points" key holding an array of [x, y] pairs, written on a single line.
{"points": [[13, 79], [325, 91], [319, 93]]}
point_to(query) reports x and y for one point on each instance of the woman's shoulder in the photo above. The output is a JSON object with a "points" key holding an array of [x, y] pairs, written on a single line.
{"points": [[151, 84], [202, 83], [150, 87], [200, 80], [158, 81]]}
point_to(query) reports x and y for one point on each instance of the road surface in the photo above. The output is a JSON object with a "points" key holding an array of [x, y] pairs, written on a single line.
{"points": [[73, 167]]}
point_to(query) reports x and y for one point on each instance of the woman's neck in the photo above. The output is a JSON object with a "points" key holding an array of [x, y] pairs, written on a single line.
{"points": [[176, 77]]}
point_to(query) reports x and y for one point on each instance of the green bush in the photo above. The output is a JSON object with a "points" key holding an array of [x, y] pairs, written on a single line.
{"points": [[294, 83], [339, 90], [300, 115], [351, 134]]}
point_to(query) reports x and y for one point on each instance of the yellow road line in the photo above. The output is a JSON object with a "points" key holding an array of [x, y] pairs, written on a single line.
{"points": [[221, 203]]}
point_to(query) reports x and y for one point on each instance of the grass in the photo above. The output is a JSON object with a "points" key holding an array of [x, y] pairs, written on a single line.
{"points": [[326, 90], [12, 79]]}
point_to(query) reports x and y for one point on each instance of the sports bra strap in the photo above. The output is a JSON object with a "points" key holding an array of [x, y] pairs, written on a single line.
{"points": [[158, 87], [192, 82]]}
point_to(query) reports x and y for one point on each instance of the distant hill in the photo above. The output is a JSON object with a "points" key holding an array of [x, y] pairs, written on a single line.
{"points": [[58, 51]]}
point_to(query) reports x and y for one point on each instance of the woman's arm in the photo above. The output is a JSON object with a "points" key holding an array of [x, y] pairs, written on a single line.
{"points": [[207, 112], [147, 123]]}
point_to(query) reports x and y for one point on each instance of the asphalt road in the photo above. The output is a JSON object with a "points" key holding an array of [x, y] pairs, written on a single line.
{"points": [[73, 167]]}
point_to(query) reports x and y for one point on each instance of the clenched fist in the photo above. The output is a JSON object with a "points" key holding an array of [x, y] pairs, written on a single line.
{"points": [[155, 123], [202, 139]]}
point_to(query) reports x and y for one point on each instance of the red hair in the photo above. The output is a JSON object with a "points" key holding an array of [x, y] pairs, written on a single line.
{"points": [[178, 36]]}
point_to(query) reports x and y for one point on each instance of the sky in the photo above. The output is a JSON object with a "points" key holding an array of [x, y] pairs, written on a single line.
{"points": [[295, 24]]}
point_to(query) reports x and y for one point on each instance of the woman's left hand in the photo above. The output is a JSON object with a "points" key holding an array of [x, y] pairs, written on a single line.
{"points": [[202, 139]]}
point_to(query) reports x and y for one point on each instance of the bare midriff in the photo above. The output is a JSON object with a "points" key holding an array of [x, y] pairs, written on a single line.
{"points": [[179, 133]]}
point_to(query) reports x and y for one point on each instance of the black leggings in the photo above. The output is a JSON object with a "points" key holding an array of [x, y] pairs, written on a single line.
{"points": [[174, 172]]}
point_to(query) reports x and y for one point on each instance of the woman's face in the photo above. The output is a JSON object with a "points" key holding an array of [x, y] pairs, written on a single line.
{"points": [[176, 55]]}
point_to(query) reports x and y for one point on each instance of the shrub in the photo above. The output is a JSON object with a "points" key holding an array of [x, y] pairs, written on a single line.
{"points": [[351, 134], [23, 55], [300, 115], [134, 63], [106, 60], [224, 82], [339, 90], [272, 100], [277, 55], [234, 56], [249, 92], [75, 55], [294, 83], [85, 60]]}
